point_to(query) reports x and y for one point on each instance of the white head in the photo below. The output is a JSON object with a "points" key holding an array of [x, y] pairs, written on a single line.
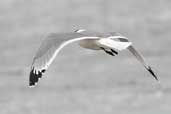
{"points": [[79, 30], [116, 35]]}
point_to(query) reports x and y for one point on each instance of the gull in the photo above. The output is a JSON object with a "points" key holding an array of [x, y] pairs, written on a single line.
{"points": [[110, 43]]}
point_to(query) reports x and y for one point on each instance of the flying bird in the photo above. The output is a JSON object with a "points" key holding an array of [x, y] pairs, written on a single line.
{"points": [[110, 43]]}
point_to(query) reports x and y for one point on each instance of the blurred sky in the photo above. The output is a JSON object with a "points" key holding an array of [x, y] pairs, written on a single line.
{"points": [[25, 23]]}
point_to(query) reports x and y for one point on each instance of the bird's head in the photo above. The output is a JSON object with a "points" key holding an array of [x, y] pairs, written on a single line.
{"points": [[79, 30], [116, 35]]}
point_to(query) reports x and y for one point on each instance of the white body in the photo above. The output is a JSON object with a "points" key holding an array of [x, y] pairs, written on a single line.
{"points": [[90, 44]]}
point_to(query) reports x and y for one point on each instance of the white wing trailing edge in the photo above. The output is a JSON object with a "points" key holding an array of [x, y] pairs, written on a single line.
{"points": [[48, 50]]}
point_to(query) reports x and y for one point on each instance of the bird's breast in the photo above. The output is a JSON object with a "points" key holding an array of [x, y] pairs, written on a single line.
{"points": [[90, 44]]}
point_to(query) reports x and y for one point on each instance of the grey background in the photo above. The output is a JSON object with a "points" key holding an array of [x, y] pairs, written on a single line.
{"points": [[82, 81]]}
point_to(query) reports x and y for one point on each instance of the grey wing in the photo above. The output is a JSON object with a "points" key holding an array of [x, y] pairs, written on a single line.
{"points": [[48, 51], [139, 57], [142, 60]]}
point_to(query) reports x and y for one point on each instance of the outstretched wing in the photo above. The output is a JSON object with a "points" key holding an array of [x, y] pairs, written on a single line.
{"points": [[48, 51], [139, 57], [142, 60]]}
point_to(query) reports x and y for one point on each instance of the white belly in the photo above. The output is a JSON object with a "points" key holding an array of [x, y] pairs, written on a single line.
{"points": [[90, 44]]}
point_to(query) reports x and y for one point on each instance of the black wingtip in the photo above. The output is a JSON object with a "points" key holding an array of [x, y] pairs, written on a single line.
{"points": [[152, 73], [34, 77]]}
